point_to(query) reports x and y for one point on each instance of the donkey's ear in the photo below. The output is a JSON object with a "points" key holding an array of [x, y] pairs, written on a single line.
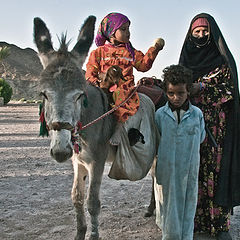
{"points": [[42, 39], [85, 39]]}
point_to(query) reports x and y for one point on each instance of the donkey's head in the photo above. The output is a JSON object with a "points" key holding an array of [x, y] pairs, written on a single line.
{"points": [[62, 84]]}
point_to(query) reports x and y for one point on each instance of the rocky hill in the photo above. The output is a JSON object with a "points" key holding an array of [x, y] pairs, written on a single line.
{"points": [[21, 69]]}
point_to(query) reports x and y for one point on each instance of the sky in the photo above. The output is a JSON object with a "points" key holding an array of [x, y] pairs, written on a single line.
{"points": [[150, 19]]}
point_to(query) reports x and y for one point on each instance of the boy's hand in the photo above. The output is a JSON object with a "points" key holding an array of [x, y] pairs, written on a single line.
{"points": [[159, 43]]}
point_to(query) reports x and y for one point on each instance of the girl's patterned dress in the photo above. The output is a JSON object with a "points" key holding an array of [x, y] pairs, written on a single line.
{"points": [[108, 55], [213, 101]]}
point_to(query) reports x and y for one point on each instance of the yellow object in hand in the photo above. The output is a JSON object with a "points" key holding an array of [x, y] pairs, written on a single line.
{"points": [[159, 43]]}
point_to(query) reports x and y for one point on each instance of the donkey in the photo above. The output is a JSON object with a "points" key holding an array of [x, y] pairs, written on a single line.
{"points": [[69, 102]]}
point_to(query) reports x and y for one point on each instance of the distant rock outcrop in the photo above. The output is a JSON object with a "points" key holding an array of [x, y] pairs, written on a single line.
{"points": [[21, 69]]}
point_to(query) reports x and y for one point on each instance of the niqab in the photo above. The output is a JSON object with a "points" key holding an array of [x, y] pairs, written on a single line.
{"points": [[201, 59]]}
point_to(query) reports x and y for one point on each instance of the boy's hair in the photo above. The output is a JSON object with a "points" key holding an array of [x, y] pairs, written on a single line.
{"points": [[176, 74]]}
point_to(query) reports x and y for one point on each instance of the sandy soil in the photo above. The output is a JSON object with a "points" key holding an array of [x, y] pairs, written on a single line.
{"points": [[35, 200]]}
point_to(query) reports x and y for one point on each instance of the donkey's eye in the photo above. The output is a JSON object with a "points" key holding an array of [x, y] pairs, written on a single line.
{"points": [[83, 98], [43, 94], [79, 96]]}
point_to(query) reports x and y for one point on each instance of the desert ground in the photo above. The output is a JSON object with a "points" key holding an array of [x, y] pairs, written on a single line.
{"points": [[35, 200]]}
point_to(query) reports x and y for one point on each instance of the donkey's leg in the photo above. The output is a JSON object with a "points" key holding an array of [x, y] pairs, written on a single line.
{"points": [[93, 201], [152, 205], [80, 174]]}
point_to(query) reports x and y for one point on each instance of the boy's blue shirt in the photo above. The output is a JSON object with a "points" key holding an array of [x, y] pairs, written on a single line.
{"points": [[179, 145]]}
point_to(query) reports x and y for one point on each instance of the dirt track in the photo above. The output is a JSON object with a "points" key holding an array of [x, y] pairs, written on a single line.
{"points": [[35, 190]]}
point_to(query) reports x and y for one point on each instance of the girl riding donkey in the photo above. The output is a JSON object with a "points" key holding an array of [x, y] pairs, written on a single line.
{"points": [[118, 51]]}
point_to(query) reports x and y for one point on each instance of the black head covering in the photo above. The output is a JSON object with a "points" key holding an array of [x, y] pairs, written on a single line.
{"points": [[202, 60]]}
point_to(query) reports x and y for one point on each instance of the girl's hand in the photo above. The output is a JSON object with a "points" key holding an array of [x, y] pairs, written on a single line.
{"points": [[159, 43], [101, 76]]}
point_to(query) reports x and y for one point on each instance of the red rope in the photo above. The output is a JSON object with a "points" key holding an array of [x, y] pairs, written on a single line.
{"points": [[107, 113]]}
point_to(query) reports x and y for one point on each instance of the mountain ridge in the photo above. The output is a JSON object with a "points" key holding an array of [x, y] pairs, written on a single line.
{"points": [[21, 69]]}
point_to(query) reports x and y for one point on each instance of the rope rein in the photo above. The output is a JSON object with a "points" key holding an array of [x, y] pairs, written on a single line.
{"points": [[44, 128], [108, 112]]}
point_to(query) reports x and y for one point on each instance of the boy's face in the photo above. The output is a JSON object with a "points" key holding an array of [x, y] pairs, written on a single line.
{"points": [[177, 94]]}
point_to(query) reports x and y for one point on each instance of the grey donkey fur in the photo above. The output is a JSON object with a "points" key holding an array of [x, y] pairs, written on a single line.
{"points": [[65, 91]]}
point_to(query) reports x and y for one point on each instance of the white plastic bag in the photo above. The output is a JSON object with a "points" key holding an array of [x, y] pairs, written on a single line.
{"points": [[134, 162]]}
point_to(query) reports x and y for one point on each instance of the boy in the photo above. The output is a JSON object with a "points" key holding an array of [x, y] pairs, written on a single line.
{"points": [[181, 126]]}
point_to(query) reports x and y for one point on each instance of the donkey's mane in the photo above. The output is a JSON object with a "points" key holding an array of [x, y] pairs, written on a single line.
{"points": [[64, 44]]}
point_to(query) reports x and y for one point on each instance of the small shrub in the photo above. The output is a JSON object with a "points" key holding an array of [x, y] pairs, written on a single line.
{"points": [[5, 91], [4, 52]]}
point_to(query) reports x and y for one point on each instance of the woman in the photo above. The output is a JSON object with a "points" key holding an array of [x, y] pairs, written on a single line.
{"points": [[215, 91]]}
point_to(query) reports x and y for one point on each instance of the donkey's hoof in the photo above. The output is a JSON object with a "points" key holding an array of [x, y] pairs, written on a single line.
{"points": [[79, 237], [94, 236], [81, 234], [148, 214]]}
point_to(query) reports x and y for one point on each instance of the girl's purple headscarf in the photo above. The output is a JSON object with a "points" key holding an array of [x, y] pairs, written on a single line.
{"points": [[108, 26]]}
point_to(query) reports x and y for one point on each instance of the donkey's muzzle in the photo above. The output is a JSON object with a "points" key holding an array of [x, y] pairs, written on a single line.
{"points": [[61, 156], [57, 126], [61, 146]]}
